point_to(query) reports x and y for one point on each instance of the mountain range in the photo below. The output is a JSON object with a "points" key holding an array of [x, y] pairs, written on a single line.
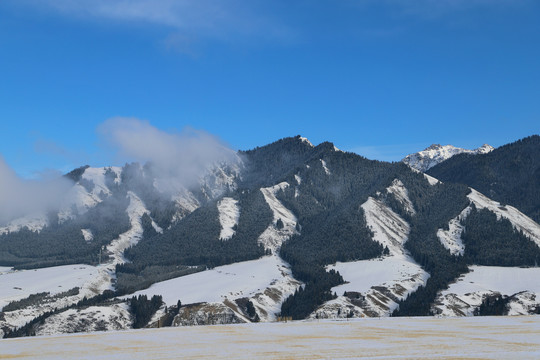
{"points": [[286, 230]]}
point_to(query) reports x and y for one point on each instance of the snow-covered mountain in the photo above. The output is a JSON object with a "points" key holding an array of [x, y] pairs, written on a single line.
{"points": [[290, 229], [435, 154]]}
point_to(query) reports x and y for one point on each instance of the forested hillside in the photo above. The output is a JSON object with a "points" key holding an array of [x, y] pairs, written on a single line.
{"points": [[509, 174]]}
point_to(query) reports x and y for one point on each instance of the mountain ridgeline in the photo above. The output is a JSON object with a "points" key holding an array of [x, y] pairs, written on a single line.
{"points": [[509, 174], [303, 204]]}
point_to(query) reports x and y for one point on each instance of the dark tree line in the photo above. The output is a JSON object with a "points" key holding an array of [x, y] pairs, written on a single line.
{"points": [[143, 309]]}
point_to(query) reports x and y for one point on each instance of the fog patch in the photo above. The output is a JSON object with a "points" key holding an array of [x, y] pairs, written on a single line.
{"points": [[177, 160], [20, 197]]}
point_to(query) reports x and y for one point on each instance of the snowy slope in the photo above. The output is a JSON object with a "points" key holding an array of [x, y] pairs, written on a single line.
{"points": [[379, 283], [229, 213], [435, 154], [465, 295], [519, 220], [402, 195], [93, 318], [272, 237], [451, 238], [266, 281], [18, 285]]}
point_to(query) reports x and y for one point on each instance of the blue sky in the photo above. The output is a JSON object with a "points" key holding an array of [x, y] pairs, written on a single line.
{"points": [[383, 78]]}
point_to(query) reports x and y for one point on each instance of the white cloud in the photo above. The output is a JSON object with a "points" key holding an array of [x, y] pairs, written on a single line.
{"points": [[192, 19], [179, 159], [20, 197]]}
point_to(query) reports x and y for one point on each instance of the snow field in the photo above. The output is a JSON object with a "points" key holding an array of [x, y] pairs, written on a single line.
{"points": [[18, 285], [243, 279], [465, 295], [384, 338]]}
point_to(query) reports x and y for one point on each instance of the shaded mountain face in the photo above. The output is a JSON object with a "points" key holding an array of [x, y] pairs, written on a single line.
{"points": [[509, 174], [436, 154], [287, 229]]}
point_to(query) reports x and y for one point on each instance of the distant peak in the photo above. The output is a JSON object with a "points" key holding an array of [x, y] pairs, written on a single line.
{"points": [[437, 153]]}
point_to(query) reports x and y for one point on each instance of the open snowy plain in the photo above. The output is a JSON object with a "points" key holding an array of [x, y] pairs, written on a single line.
{"points": [[515, 337]]}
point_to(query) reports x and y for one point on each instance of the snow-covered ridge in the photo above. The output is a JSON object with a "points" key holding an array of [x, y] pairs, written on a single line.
{"points": [[435, 154], [519, 220], [229, 213], [273, 236]]}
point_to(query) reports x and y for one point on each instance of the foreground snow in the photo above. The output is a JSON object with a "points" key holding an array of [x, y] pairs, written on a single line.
{"points": [[466, 295], [388, 338]]}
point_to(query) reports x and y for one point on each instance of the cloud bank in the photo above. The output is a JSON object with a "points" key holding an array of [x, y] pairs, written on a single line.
{"points": [[178, 159], [19, 197]]}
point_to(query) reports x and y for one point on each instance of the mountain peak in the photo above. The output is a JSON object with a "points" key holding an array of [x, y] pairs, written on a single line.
{"points": [[437, 153]]}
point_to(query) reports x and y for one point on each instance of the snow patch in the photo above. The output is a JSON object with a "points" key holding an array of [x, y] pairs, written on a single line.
{"points": [[402, 195], [451, 238], [87, 234], [305, 140], [229, 213], [388, 228], [431, 180], [272, 237], [298, 179], [326, 171]]}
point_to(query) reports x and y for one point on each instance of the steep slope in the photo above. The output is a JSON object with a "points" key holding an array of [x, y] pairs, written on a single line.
{"points": [[510, 174], [373, 287], [436, 154]]}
